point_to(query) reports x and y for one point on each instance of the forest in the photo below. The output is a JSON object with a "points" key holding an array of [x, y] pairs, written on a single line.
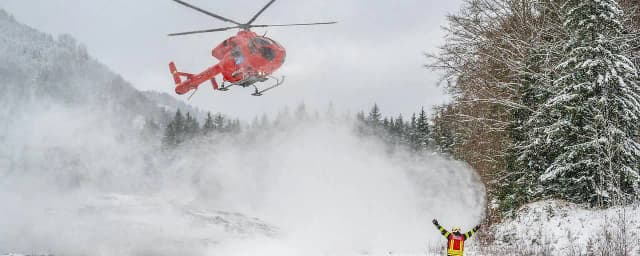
{"points": [[545, 99]]}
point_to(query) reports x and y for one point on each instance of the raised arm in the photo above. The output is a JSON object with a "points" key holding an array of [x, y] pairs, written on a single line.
{"points": [[444, 232], [471, 232]]}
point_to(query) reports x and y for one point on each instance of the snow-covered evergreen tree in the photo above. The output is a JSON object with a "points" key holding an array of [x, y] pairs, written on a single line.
{"points": [[191, 126], [208, 126], [412, 138], [590, 123], [218, 123], [375, 117], [422, 131]]}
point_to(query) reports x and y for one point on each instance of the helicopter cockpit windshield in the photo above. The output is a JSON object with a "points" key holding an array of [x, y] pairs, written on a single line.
{"points": [[262, 45]]}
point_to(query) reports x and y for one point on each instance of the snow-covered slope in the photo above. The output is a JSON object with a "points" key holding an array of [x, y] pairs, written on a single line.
{"points": [[152, 226], [561, 228], [38, 71]]}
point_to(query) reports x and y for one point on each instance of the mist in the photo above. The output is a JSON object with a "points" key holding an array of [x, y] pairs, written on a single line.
{"points": [[74, 183]]}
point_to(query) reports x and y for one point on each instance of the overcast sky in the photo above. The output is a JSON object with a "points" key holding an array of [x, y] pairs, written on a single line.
{"points": [[374, 53]]}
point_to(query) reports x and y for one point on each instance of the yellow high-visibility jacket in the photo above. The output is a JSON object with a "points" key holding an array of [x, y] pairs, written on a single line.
{"points": [[455, 243]]}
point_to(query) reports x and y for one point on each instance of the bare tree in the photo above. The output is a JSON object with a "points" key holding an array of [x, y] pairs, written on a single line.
{"points": [[496, 52]]}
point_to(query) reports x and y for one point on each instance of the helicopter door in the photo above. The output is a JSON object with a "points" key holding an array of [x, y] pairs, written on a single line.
{"points": [[238, 58], [223, 48]]}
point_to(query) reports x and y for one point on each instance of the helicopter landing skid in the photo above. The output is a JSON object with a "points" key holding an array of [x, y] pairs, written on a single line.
{"points": [[225, 88], [259, 92]]}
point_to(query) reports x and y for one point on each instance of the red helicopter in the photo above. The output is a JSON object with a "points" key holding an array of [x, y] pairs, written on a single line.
{"points": [[244, 59]]}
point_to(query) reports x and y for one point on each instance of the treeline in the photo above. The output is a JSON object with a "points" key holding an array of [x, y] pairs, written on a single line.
{"points": [[545, 99], [413, 133], [184, 127]]}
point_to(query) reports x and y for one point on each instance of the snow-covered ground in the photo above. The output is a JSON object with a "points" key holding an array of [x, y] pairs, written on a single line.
{"points": [[131, 225], [317, 189], [561, 228]]}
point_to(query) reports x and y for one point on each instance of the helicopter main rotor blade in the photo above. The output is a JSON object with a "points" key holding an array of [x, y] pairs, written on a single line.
{"points": [[296, 24], [260, 12], [202, 31], [207, 12]]}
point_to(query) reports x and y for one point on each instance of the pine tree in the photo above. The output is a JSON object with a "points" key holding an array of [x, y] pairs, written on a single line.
{"points": [[235, 126], [179, 127], [422, 133], [414, 143], [208, 126], [219, 123], [590, 122], [400, 129], [375, 116], [191, 126], [444, 130], [170, 136], [175, 131], [523, 161]]}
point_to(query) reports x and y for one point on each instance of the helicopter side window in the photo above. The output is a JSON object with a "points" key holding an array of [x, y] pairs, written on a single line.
{"points": [[236, 53]]}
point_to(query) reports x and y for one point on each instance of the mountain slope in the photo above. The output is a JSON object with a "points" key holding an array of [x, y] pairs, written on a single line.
{"points": [[38, 71], [76, 176]]}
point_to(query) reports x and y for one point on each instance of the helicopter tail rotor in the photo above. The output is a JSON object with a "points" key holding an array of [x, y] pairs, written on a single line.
{"points": [[174, 73]]}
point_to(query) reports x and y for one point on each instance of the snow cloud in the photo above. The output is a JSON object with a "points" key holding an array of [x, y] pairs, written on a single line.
{"points": [[73, 184]]}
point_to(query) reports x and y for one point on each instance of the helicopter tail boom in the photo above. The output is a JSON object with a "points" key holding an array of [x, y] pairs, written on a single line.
{"points": [[193, 80]]}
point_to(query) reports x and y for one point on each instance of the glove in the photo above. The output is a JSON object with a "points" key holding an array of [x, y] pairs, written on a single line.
{"points": [[435, 222]]}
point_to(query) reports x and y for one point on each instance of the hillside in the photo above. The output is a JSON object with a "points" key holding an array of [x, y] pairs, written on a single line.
{"points": [[77, 177], [39, 71], [559, 228]]}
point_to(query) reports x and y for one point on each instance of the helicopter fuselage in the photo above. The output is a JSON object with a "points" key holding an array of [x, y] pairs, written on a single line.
{"points": [[244, 59], [247, 54]]}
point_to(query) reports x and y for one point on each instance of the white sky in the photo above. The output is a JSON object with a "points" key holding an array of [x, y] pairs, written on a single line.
{"points": [[374, 53]]}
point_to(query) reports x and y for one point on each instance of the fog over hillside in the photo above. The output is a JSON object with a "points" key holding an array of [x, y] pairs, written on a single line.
{"points": [[38, 71], [77, 177]]}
